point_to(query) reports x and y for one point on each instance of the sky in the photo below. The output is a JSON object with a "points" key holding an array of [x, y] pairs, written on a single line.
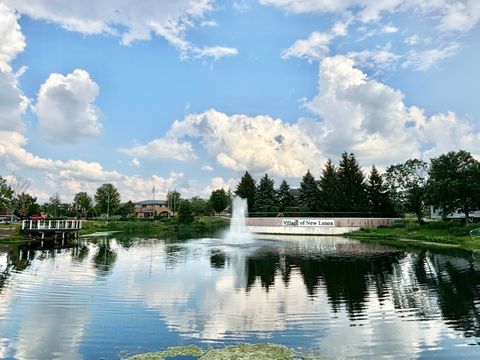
{"points": [[188, 95]]}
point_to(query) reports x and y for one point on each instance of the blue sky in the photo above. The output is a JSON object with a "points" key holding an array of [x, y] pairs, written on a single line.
{"points": [[190, 94]]}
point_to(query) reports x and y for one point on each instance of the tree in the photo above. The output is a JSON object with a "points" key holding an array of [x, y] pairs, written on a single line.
{"points": [[83, 203], [107, 198], [199, 206], [173, 200], [266, 196], [6, 194], [284, 196], [308, 196], [377, 194], [406, 183], [246, 190], [219, 200], [454, 183], [53, 205], [352, 194], [126, 209], [27, 205], [328, 188], [185, 214]]}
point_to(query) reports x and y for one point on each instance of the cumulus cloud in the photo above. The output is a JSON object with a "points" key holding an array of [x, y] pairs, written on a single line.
{"points": [[258, 144], [168, 148], [65, 107], [352, 112], [129, 21], [13, 102]]}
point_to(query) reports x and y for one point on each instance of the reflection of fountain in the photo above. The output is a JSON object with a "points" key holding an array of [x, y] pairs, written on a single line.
{"points": [[238, 231]]}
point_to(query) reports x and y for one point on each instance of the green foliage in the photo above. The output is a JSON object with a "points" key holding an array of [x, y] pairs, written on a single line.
{"points": [[83, 203], [107, 198], [329, 188], [308, 197], [352, 190], [377, 194], [246, 190], [219, 200], [173, 200], [185, 214], [266, 196], [201, 206], [454, 183], [285, 197], [6, 194], [52, 207], [27, 205], [125, 210], [406, 183]]}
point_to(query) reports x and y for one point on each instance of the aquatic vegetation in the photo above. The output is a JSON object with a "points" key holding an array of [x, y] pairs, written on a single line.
{"points": [[233, 352]]}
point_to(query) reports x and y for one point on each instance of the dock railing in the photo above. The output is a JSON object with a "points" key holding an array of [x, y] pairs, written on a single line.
{"points": [[51, 225]]}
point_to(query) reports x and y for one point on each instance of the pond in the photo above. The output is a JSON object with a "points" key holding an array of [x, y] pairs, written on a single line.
{"points": [[115, 297]]}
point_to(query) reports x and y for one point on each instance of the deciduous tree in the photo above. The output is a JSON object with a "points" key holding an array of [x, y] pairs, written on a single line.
{"points": [[107, 198]]}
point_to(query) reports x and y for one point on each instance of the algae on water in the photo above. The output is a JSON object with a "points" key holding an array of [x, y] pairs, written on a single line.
{"points": [[232, 352]]}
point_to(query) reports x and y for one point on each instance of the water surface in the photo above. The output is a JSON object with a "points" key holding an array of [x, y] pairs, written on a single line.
{"points": [[109, 298]]}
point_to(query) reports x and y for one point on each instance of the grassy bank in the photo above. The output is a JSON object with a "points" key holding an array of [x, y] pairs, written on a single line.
{"points": [[435, 234]]}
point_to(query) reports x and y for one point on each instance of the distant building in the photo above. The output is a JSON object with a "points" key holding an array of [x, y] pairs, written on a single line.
{"points": [[436, 215], [148, 209]]}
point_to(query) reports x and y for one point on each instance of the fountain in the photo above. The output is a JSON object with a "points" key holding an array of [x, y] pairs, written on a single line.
{"points": [[238, 232]]}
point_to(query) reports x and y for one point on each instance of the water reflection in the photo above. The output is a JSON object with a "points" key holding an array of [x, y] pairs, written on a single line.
{"points": [[88, 299]]}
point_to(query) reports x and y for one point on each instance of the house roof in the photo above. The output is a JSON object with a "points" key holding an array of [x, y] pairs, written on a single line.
{"points": [[151, 202]]}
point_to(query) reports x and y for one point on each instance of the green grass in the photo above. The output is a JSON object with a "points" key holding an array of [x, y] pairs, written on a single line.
{"points": [[439, 234], [233, 352]]}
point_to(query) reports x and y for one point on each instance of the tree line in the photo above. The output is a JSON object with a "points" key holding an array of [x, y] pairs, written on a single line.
{"points": [[450, 182]]}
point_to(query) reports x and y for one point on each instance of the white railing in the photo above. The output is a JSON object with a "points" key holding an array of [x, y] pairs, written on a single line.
{"points": [[52, 225]]}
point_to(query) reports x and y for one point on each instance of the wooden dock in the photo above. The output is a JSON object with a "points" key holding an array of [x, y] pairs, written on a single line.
{"points": [[52, 227]]}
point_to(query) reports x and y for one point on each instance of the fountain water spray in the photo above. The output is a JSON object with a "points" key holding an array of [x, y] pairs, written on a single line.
{"points": [[238, 231]]}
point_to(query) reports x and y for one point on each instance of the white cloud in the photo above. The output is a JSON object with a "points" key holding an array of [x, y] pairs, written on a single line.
{"points": [[131, 22], [454, 15], [13, 102], [389, 29], [425, 60], [168, 148], [315, 47], [207, 168], [379, 59], [65, 107], [258, 144], [135, 163], [412, 40]]}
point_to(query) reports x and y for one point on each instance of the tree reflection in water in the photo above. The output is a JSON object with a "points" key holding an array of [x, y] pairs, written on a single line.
{"points": [[419, 280]]}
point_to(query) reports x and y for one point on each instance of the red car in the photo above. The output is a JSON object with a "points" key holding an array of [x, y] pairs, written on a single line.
{"points": [[38, 217]]}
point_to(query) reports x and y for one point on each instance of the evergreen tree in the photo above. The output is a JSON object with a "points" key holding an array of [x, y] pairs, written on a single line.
{"points": [[352, 194], [285, 197], [378, 197], [454, 183], [246, 190], [266, 196], [329, 188], [308, 197]]}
